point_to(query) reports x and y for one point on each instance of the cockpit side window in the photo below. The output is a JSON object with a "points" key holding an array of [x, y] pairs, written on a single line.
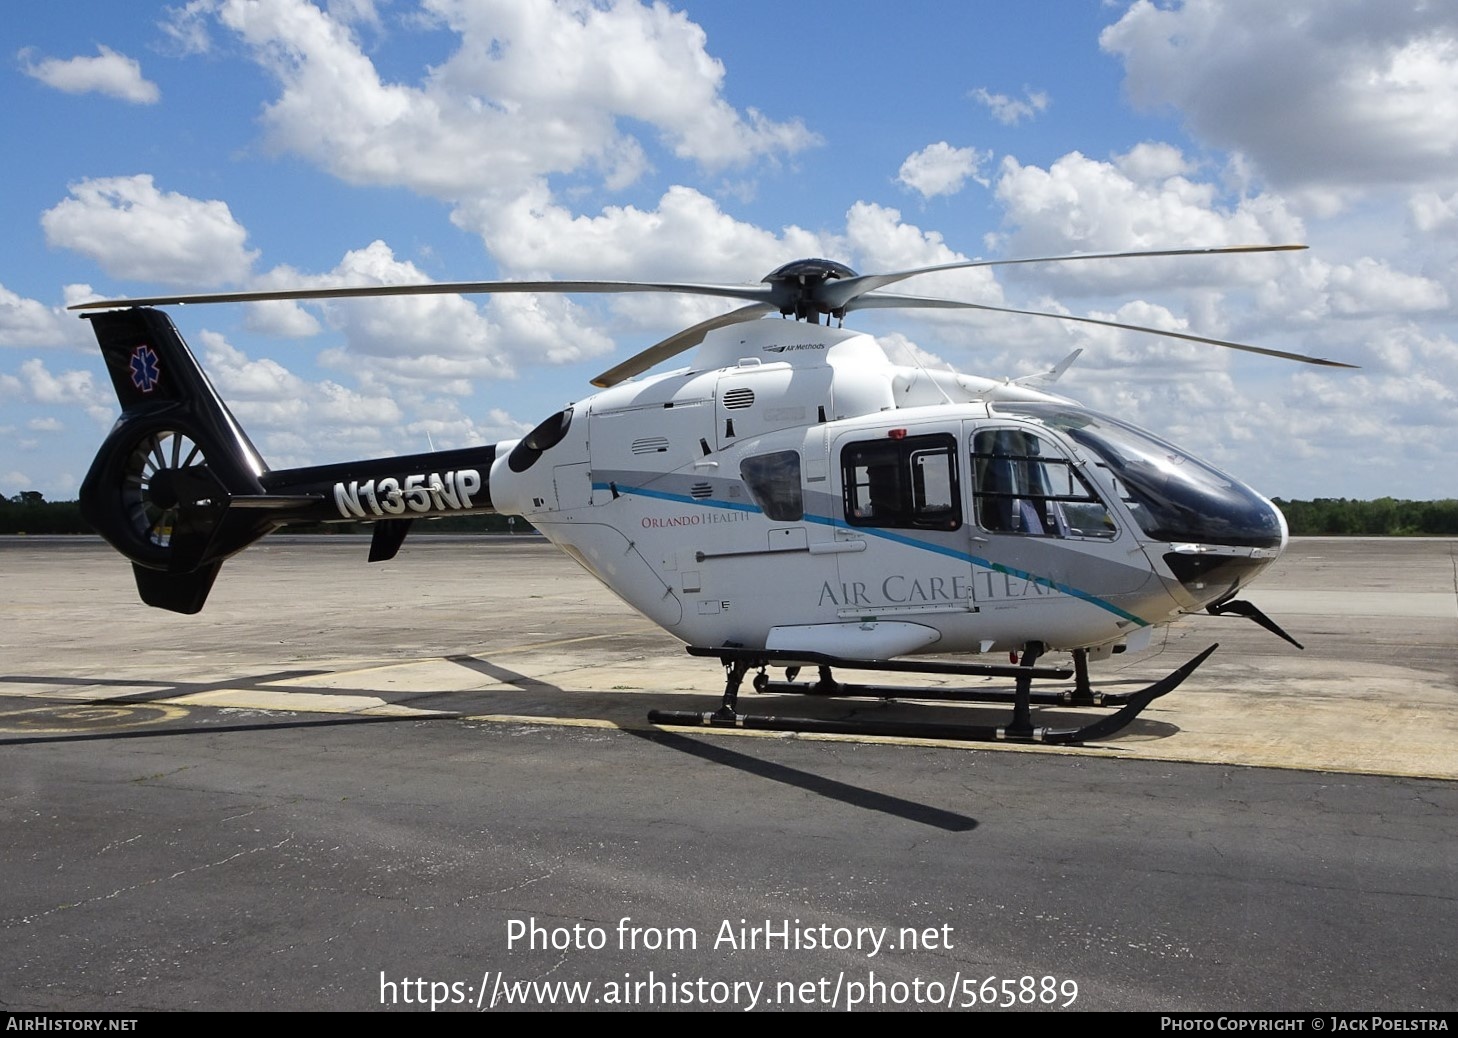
{"points": [[1026, 485], [910, 482], [774, 483]]}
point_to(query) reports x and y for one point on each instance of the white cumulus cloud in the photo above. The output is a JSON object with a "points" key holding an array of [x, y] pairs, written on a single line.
{"points": [[534, 88], [1433, 213], [427, 340], [1141, 200], [29, 323], [137, 232], [940, 169], [38, 384], [687, 237], [1313, 92], [109, 73]]}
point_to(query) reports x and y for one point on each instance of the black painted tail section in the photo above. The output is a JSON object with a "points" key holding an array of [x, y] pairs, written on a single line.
{"points": [[177, 487], [164, 486]]}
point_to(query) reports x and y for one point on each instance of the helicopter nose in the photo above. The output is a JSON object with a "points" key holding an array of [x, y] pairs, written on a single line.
{"points": [[1210, 572]]}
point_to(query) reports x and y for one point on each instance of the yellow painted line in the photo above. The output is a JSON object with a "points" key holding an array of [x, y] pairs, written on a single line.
{"points": [[1105, 751], [555, 722]]}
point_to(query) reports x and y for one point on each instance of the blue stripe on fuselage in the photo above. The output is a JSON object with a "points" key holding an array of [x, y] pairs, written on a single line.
{"points": [[898, 538]]}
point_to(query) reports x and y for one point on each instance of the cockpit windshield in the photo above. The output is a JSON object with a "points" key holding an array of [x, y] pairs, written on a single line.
{"points": [[1172, 495]]}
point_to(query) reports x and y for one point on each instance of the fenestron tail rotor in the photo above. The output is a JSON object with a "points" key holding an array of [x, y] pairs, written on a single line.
{"points": [[149, 492]]}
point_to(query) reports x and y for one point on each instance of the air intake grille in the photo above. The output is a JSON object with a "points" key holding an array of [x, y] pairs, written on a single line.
{"points": [[737, 399], [650, 445], [701, 490]]}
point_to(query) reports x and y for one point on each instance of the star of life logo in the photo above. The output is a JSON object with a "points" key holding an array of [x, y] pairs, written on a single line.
{"points": [[146, 373]]}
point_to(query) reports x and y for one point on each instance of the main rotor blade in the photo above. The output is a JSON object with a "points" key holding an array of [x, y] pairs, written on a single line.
{"points": [[676, 344], [892, 301], [837, 294], [754, 292], [915, 302]]}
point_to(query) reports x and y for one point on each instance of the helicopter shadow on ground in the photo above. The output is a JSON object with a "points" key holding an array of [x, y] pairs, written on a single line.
{"points": [[833, 789]]}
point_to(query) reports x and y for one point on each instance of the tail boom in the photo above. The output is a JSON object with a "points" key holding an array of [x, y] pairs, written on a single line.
{"points": [[177, 487]]}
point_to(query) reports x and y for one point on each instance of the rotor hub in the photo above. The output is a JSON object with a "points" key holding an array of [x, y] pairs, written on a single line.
{"points": [[797, 287]]}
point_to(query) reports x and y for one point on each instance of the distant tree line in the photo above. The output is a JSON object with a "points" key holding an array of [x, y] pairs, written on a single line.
{"points": [[1384, 517], [29, 512]]}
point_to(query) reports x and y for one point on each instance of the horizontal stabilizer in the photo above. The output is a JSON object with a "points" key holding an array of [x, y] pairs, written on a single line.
{"points": [[274, 501]]}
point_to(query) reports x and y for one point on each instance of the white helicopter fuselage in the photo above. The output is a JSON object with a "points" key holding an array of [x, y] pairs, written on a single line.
{"points": [[795, 490], [792, 498]]}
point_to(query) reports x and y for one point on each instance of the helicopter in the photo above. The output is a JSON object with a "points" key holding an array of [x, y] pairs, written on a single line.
{"points": [[792, 498]]}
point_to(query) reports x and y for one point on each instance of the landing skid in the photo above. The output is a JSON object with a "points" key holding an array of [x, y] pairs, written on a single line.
{"points": [[738, 662]]}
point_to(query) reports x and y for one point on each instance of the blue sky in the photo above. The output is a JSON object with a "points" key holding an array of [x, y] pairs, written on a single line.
{"points": [[236, 144]]}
